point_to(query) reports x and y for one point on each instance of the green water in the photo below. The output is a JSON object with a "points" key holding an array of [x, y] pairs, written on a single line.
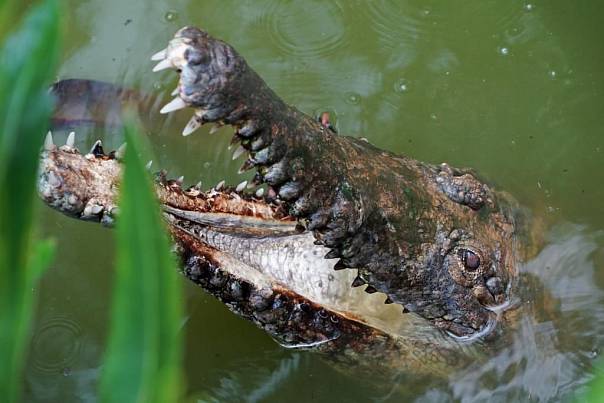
{"points": [[511, 88]]}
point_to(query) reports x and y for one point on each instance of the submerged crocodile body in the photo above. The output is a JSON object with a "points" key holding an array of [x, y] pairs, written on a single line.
{"points": [[346, 249]]}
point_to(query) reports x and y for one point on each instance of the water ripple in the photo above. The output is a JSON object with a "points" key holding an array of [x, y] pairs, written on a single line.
{"points": [[56, 345], [306, 30]]}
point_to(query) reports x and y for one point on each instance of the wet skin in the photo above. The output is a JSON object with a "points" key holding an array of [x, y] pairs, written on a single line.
{"points": [[433, 245]]}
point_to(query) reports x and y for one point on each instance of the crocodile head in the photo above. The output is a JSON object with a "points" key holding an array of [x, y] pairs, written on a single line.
{"points": [[348, 247]]}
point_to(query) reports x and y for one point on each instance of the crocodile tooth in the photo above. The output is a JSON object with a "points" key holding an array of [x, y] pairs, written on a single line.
{"points": [[260, 192], [161, 55], [164, 64], [70, 140], [339, 265], [240, 150], [148, 166], [220, 185], [175, 92], [215, 128], [96, 209], [370, 289], [97, 149], [180, 180], [120, 152], [388, 301], [193, 125], [241, 186], [332, 254], [358, 282], [174, 105], [198, 185], [247, 165], [234, 140], [48, 143]]}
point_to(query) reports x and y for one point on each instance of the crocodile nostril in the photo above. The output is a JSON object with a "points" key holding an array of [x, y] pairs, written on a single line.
{"points": [[495, 286], [483, 295]]}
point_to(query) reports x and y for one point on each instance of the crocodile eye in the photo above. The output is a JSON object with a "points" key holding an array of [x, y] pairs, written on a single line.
{"points": [[470, 260]]}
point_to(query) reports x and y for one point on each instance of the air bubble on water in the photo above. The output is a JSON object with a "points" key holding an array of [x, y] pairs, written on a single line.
{"points": [[171, 16], [529, 7], [207, 164], [504, 51], [552, 74], [353, 98], [401, 86], [433, 116]]}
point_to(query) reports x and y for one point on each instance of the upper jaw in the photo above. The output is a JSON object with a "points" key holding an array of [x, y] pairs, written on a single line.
{"points": [[213, 78]]}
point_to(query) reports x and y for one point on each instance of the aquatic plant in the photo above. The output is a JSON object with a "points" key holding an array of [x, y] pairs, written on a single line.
{"points": [[144, 351], [28, 58]]}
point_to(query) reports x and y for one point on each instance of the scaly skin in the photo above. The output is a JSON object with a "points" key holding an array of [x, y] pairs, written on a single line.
{"points": [[437, 241], [402, 223]]}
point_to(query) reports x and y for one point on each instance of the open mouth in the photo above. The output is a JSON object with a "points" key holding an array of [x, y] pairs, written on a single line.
{"points": [[342, 239], [242, 247]]}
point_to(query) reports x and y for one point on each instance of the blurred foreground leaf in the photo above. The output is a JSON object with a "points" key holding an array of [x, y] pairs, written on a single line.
{"points": [[144, 353], [27, 62]]}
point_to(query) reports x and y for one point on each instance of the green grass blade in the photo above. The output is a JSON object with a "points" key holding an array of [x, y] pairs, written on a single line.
{"points": [[144, 353], [27, 62]]}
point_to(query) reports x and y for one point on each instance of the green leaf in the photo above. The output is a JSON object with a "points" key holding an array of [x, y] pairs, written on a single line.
{"points": [[144, 354], [27, 62]]}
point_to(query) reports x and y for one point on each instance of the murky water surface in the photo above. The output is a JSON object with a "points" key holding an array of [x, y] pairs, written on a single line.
{"points": [[513, 89]]}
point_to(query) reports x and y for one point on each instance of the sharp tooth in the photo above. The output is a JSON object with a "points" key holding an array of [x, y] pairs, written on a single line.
{"points": [[260, 192], [96, 209], [97, 149], [174, 105], [220, 185], [175, 92], [148, 166], [120, 152], [48, 143], [164, 64], [70, 140], [238, 152], [198, 186], [161, 55], [180, 180], [247, 165], [215, 128], [193, 125], [241, 186]]}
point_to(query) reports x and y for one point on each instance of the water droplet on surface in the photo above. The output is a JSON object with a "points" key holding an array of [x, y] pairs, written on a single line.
{"points": [[504, 51], [433, 116], [353, 98], [529, 7], [401, 86], [171, 16], [552, 74], [207, 164]]}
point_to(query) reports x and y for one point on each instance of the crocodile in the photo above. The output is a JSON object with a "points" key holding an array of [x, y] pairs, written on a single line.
{"points": [[370, 258]]}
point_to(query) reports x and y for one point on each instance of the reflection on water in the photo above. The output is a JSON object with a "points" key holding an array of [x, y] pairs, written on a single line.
{"points": [[512, 89]]}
